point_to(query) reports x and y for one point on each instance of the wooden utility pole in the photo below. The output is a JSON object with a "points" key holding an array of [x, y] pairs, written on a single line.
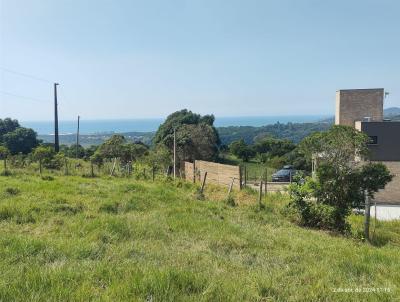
{"points": [[77, 139], [56, 139], [174, 153]]}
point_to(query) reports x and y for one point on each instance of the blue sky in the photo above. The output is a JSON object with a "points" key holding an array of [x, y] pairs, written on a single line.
{"points": [[138, 59]]}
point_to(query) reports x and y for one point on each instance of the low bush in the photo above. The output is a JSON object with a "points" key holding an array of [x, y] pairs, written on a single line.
{"points": [[12, 191]]}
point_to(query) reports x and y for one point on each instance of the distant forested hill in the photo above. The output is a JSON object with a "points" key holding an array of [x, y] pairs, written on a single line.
{"points": [[292, 131], [392, 111]]}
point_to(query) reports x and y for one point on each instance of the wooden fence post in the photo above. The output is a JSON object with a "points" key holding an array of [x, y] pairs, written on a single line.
{"points": [[367, 216], [266, 180], [194, 171], [230, 187], [245, 175], [153, 172], [260, 194], [240, 178], [91, 169], [204, 182]]}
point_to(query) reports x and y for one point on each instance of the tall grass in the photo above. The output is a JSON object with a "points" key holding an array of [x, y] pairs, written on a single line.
{"points": [[120, 239]]}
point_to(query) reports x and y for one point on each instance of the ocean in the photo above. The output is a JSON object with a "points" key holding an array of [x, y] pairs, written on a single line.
{"points": [[151, 124]]}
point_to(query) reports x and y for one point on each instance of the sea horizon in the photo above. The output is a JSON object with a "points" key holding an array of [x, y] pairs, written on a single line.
{"points": [[123, 125]]}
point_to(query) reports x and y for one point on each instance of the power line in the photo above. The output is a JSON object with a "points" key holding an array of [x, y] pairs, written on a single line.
{"points": [[24, 97], [25, 75]]}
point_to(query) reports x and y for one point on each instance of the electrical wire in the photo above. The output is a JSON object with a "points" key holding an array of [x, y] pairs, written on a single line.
{"points": [[24, 97], [25, 75]]}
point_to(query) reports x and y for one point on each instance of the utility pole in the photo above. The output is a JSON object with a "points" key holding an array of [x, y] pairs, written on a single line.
{"points": [[77, 139], [174, 152], [56, 139]]}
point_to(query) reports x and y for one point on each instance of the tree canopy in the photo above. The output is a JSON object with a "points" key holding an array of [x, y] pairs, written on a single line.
{"points": [[117, 147], [16, 138], [196, 135]]}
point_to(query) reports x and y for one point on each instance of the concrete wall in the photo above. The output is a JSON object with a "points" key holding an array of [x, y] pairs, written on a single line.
{"points": [[388, 140], [216, 173], [391, 194], [355, 104]]}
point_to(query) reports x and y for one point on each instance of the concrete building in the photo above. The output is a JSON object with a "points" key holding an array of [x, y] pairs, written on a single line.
{"points": [[363, 109], [358, 104]]}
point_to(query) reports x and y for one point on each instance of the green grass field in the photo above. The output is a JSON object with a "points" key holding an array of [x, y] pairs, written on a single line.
{"points": [[69, 238]]}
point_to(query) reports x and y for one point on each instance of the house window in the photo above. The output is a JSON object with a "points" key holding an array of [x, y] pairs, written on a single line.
{"points": [[373, 140]]}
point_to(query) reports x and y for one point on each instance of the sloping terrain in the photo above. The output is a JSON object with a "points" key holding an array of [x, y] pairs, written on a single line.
{"points": [[68, 238]]}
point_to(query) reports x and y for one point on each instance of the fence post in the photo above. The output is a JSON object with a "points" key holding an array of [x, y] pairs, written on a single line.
{"points": [[91, 169], [230, 186], [66, 166], [204, 182], [240, 178], [260, 194], [245, 175], [266, 180], [367, 216], [194, 171], [152, 172]]}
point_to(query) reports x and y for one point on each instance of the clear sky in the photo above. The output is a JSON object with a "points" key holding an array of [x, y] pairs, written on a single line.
{"points": [[138, 59]]}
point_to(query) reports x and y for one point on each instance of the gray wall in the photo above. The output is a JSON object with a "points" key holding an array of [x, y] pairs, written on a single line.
{"points": [[388, 133]]}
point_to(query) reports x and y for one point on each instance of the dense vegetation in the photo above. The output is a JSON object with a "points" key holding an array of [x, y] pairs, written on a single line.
{"points": [[294, 132], [341, 183]]}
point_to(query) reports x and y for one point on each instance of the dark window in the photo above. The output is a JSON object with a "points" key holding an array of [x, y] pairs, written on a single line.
{"points": [[373, 140]]}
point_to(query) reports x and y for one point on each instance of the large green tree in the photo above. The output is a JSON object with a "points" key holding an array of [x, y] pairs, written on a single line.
{"points": [[196, 136], [16, 138], [241, 150], [7, 125]]}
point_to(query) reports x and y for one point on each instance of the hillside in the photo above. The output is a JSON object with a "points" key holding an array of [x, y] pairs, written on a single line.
{"points": [[292, 131], [391, 111], [68, 238]]}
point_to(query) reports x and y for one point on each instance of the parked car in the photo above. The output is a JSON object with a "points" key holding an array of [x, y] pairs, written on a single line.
{"points": [[284, 175]]}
